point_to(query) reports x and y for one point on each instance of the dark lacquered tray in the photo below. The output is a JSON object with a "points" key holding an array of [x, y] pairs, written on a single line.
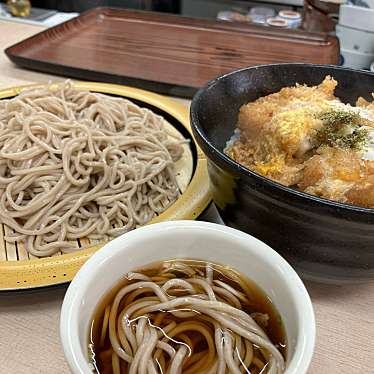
{"points": [[164, 53]]}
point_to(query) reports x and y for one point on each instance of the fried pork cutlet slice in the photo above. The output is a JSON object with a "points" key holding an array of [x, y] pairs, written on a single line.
{"points": [[253, 116], [340, 175], [274, 166], [285, 125]]}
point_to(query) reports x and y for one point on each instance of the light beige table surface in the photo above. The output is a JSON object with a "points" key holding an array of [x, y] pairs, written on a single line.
{"points": [[29, 337]]}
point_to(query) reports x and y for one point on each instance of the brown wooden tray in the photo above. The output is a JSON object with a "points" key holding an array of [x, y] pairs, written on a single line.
{"points": [[160, 52]]}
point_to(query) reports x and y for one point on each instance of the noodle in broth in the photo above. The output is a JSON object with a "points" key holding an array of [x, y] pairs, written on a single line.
{"points": [[187, 316]]}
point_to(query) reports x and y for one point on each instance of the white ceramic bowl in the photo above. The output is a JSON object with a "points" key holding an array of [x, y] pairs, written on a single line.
{"points": [[188, 239]]}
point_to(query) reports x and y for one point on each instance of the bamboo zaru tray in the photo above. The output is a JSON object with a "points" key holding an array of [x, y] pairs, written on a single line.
{"points": [[20, 270]]}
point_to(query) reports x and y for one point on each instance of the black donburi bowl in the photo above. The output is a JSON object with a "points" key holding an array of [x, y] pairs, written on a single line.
{"points": [[324, 240]]}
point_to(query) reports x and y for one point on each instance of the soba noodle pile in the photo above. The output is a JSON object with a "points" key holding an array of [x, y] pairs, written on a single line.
{"points": [[77, 164], [183, 319]]}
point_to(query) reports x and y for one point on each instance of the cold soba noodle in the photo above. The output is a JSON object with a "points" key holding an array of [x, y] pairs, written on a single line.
{"points": [[76, 164], [187, 317]]}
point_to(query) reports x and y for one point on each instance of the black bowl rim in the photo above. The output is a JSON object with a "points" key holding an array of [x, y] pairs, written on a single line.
{"points": [[247, 172]]}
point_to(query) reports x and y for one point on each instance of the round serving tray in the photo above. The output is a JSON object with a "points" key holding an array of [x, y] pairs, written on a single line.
{"points": [[19, 270]]}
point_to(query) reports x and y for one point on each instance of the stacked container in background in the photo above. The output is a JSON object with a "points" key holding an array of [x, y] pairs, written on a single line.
{"points": [[356, 33]]}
